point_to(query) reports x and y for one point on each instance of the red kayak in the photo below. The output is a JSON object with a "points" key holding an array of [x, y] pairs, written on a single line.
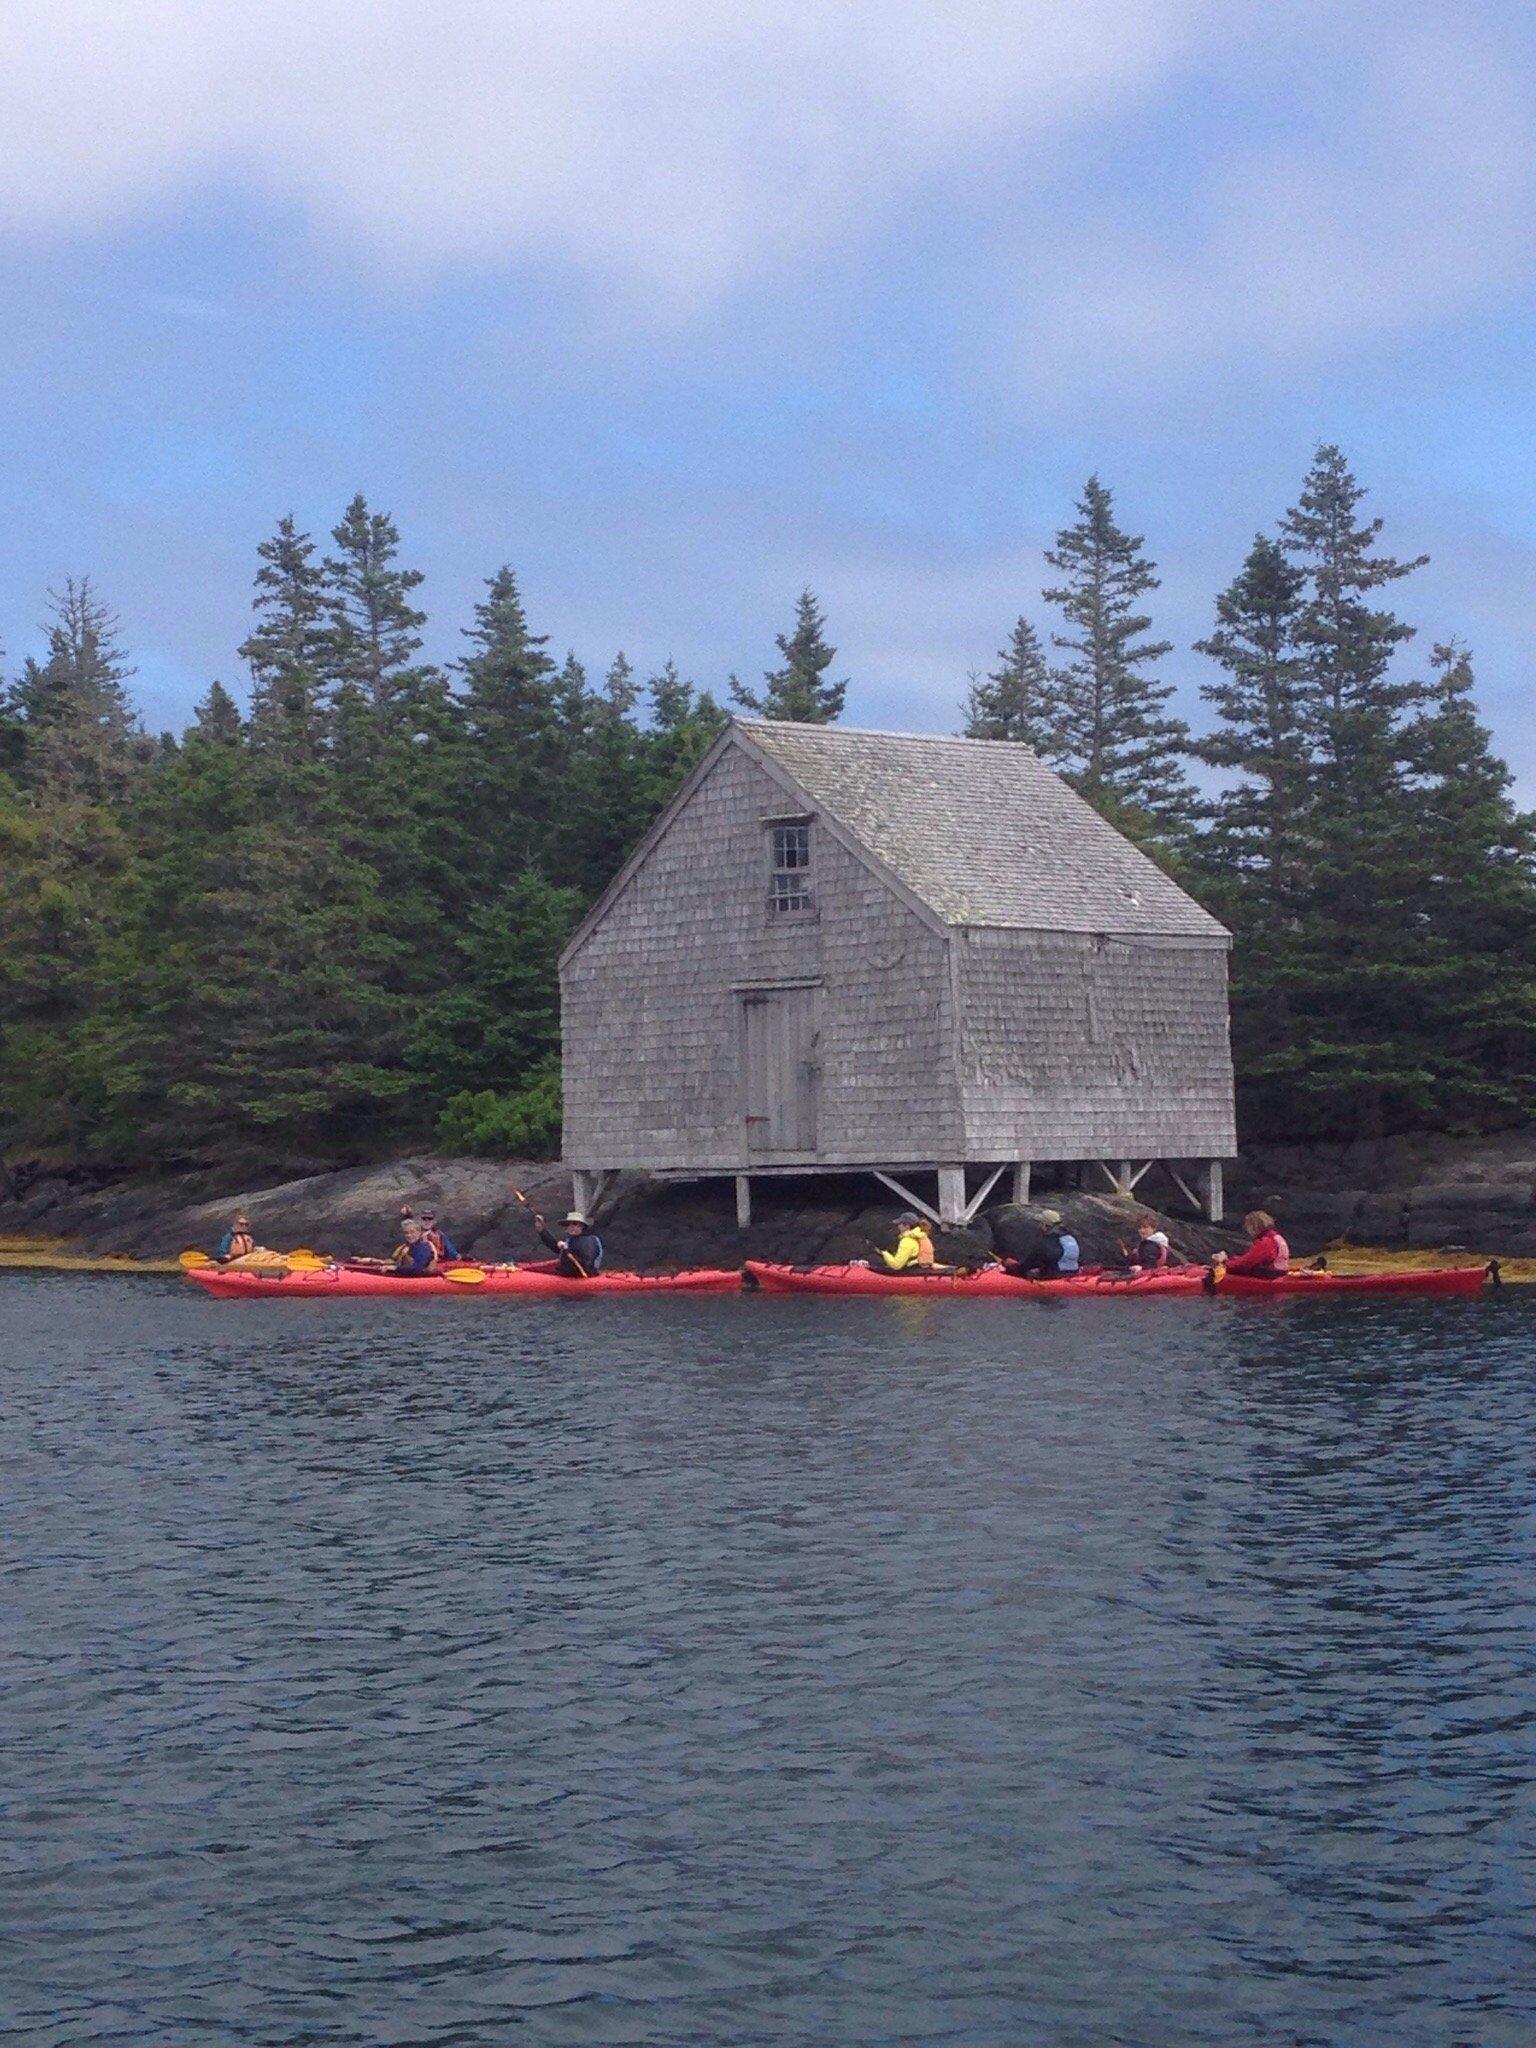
{"points": [[1186, 1280], [338, 1282], [774, 1279], [1435, 1280]]}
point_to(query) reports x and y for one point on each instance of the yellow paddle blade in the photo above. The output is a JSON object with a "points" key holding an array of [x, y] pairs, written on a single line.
{"points": [[466, 1276], [304, 1252], [188, 1260], [307, 1262]]}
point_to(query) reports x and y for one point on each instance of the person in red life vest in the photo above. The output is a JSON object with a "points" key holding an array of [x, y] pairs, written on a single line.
{"points": [[1268, 1256]]}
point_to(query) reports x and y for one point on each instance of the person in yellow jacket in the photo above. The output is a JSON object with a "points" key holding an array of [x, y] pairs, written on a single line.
{"points": [[914, 1247]]}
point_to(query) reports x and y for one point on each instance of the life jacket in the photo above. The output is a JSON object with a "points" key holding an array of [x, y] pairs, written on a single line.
{"points": [[1070, 1253]]}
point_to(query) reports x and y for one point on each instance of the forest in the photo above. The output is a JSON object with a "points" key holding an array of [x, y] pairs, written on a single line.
{"points": [[322, 923]]}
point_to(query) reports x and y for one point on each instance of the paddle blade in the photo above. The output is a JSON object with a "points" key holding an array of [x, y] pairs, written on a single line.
{"points": [[466, 1276], [307, 1262], [188, 1260]]}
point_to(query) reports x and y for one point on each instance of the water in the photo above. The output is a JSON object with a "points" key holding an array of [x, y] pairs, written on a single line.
{"points": [[751, 1672]]}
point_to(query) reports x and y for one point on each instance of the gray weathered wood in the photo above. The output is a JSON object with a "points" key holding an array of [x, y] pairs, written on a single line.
{"points": [[985, 972], [743, 1201]]}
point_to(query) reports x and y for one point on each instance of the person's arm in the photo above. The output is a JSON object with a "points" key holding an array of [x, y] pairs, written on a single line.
{"points": [[450, 1249], [546, 1236], [905, 1252], [1259, 1254]]}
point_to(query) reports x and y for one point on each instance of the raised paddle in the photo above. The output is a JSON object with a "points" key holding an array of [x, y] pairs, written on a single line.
{"points": [[581, 1269]]}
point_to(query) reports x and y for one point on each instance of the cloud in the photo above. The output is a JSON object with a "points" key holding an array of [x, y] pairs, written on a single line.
{"points": [[1410, 199], [679, 143]]}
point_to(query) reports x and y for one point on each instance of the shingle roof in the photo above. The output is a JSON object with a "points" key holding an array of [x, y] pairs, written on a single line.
{"points": [[982, 831]]}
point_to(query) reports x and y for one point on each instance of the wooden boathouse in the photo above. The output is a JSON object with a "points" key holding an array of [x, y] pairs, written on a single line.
{"points": [[917, 957]]}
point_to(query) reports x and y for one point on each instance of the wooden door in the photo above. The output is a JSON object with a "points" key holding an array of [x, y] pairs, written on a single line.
{"points": [[783, 1072]]}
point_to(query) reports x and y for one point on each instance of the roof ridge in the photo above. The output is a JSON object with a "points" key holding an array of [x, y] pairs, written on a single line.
{"points": [[875, 732]]}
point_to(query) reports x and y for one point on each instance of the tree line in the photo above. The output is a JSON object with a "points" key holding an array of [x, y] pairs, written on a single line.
{"points": [[326, 925]]}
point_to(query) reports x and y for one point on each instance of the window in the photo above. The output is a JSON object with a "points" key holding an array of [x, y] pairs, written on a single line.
{"points": [[789, 876]]}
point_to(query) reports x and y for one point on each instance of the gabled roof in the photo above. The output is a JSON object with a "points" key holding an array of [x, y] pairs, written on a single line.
{"points": [[981, 831]]}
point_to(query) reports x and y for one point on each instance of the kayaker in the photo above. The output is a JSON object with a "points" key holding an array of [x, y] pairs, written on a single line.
{"points": [[914, 1246], [1059, 1255], [1151, 1252], [443, 1246], [1268, 1256], [414, 1259], [237, 1242], [580, 1251]]}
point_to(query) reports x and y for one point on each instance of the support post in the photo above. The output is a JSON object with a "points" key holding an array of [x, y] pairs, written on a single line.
{"points": [[743, 1201], [584, 1187], [1021, 1181], [952, 1194], [1215, 1200], [906, 1196], [1123, 1181]]}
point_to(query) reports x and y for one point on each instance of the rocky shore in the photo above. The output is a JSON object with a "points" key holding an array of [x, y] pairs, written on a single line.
{"points": [[1426, 1192], [645, 1224]]}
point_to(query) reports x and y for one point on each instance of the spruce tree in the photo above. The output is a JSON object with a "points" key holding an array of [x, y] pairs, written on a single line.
{"points": [[286, 649], [82, 742], [1120, 747], [373, 628], [799, 691], [1020, 699], [217, 718], [66, 859], [1473, 1004], [1254, 845], [520, 730], [1355, 700]]}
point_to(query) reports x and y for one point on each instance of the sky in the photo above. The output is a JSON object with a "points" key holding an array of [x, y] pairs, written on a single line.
{"points": [[678, 308]]}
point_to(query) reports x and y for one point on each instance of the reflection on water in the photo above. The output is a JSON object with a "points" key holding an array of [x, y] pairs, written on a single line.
{"points": [[766, 1672]]}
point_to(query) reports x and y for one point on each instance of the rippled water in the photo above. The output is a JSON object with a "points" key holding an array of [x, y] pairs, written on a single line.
{"points": [[766, 1672]]}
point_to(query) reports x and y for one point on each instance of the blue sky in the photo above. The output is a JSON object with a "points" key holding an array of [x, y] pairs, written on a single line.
{"points": [[678, 309]]}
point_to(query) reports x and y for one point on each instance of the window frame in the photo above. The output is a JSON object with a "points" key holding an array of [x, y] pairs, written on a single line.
{"points": [[789, 843]]}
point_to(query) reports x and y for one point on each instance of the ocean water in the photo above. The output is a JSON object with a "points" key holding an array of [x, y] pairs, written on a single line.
{"points": [[791, 1672]]}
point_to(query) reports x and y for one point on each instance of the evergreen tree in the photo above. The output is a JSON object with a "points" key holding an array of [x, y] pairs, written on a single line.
{"points": [[520, 731], [373, 628], [217, 718], [1474, 1005], [65, 858], [1253, 849], [1320, 1022], [1020, 699], [799, 691], [1121, 748], [685, 723], [1346, 645], [286, 649], [80, 740]]}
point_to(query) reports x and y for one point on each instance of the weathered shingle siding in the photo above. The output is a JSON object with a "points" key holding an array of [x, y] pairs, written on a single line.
{"points": [[1073, 1047], [652, 1027]]}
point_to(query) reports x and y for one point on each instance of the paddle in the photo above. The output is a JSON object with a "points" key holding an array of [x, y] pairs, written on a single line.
{"points": [[307, 1262], [521, 1197], [465, 1276], [189, 1261]]}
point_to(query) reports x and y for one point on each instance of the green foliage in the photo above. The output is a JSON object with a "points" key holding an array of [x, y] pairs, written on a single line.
{"points": [[329, 927], [522, 1125], [1117, 744], [799, 691], [1020, 700]]}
